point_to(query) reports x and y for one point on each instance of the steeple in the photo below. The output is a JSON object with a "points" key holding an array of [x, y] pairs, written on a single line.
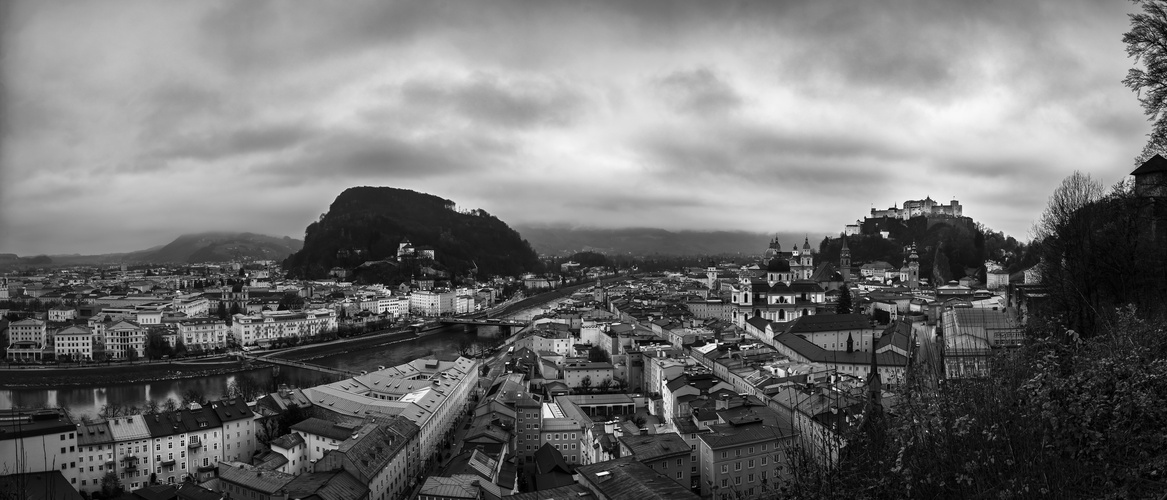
{"points": [[845, 260]]}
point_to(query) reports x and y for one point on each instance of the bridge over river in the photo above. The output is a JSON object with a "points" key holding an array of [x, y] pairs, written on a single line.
{"points": [[301, 364]]}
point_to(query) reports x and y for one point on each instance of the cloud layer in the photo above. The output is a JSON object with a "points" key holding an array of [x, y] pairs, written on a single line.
{"points": [[128, 123]]}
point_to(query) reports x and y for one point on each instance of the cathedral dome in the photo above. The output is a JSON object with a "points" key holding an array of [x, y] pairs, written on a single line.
{"points": [[778, 265]]}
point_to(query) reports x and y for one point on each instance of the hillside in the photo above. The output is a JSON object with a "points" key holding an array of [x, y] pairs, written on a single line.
{"points": [[948, 248], [367, 223], [555, 240], [191, 248], [221, 247]]}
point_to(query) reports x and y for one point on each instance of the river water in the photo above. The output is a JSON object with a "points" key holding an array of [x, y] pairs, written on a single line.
{"points": [[89, 400]]}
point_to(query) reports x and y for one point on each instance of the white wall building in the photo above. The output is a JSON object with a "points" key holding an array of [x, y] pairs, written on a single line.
{"points": [[271, 325]]}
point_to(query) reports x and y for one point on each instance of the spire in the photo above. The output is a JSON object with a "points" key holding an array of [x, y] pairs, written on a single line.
{"points": [[805, 243], [844, 237]]}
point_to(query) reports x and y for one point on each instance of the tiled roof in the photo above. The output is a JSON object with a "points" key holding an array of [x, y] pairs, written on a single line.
{"points": [[321, 427], [334, 485], [253, 478], [627, 479], [653, 446], [829, 322]]}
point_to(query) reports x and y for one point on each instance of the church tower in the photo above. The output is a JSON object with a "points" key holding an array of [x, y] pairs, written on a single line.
{"points": [[807, 259], [845, 261], [913, 269], [711, 276]]}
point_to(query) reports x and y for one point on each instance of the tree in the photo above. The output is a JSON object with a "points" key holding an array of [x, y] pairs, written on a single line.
{"points": [[221, 311], [111, 486], [291, 301], [844, 305], [1146, 42], [1069, 249], [585, 384], [598, 354]]}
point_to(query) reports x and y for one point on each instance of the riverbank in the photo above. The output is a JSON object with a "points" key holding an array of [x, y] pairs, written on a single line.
{"points": [[96, 376]]}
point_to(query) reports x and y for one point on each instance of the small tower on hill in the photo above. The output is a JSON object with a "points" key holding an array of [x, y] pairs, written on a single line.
{"points": [[845, 261], [913, 269]]}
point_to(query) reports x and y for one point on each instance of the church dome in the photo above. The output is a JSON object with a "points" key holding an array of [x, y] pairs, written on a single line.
{"points": [[778, 265]]}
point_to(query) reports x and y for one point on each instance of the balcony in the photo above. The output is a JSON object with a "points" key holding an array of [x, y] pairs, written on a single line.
{"points": [[194, 445], [168, 463]]}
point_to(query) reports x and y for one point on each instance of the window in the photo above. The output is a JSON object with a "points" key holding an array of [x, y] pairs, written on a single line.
{"points": [[724, 468], [678, 474], [751, 450], [763, 446], [679, 461], [751, 463], [737, 465], [764, 459], [724, 454], [724, 483], [750, 479], [664, 465], [737, 480], [737, 453]]}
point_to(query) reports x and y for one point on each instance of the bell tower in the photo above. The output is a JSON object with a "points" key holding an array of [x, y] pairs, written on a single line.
{"points": [[845, 261], [913, 269]]}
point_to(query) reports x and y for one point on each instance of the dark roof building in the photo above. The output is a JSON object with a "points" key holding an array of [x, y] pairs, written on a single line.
{"points": [[627, 479]]}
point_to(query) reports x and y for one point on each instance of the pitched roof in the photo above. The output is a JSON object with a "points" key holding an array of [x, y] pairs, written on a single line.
{"points": [[321, 427], [828, 323], [1154, 164], [253, 478], [627, 479], [334, 485], [548, 460], [653, 446]]}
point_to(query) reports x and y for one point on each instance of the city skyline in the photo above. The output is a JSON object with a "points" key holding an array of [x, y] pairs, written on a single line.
{"points": [[129, 123]]}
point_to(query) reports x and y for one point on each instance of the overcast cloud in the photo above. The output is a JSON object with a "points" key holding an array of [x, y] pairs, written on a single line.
{"points": [[128, 123]]}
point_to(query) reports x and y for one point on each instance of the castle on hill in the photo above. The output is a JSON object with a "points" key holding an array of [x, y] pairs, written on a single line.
{"points": [[920, 208]]}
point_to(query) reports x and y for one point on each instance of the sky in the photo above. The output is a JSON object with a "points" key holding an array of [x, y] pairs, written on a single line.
{"points": [[124, 124]]}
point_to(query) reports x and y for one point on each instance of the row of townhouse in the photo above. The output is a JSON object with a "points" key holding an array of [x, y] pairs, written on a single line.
{"points": [[165, 447], [32, 340]]}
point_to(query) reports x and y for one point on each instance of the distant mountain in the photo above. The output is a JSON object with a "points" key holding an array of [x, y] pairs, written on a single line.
{"points": [[647, 241], [188, 248], [366, 224], [222, 247]]}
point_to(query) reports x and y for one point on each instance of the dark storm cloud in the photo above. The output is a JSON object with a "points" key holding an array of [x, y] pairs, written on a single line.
{"points": [[386, 158], [699, 91], [771, 157], [492, 100], [252, 139]]}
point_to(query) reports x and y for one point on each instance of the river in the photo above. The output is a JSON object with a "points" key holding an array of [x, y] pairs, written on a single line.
{"points": [[89, 400]]}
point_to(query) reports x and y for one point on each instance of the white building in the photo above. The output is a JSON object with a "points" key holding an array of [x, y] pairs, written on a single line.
{"points": [[432, 302], [76, 343], [430, 393], [268, 326], [204, 333], [122, 337]]}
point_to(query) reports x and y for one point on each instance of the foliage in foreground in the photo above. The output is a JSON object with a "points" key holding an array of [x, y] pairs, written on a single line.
{"points": [[1060, 418]]}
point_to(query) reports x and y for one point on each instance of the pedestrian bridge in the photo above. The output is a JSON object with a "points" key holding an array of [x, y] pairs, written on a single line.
{"points": [[300, 364], [482, 322]]}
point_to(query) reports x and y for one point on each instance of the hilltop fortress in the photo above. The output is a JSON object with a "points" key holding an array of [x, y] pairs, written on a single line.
{"points": [[916, 208], [927, 207]]}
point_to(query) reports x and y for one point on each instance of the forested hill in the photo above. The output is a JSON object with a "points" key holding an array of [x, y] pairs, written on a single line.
{"points": [[948, 249], [367, 223]]}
